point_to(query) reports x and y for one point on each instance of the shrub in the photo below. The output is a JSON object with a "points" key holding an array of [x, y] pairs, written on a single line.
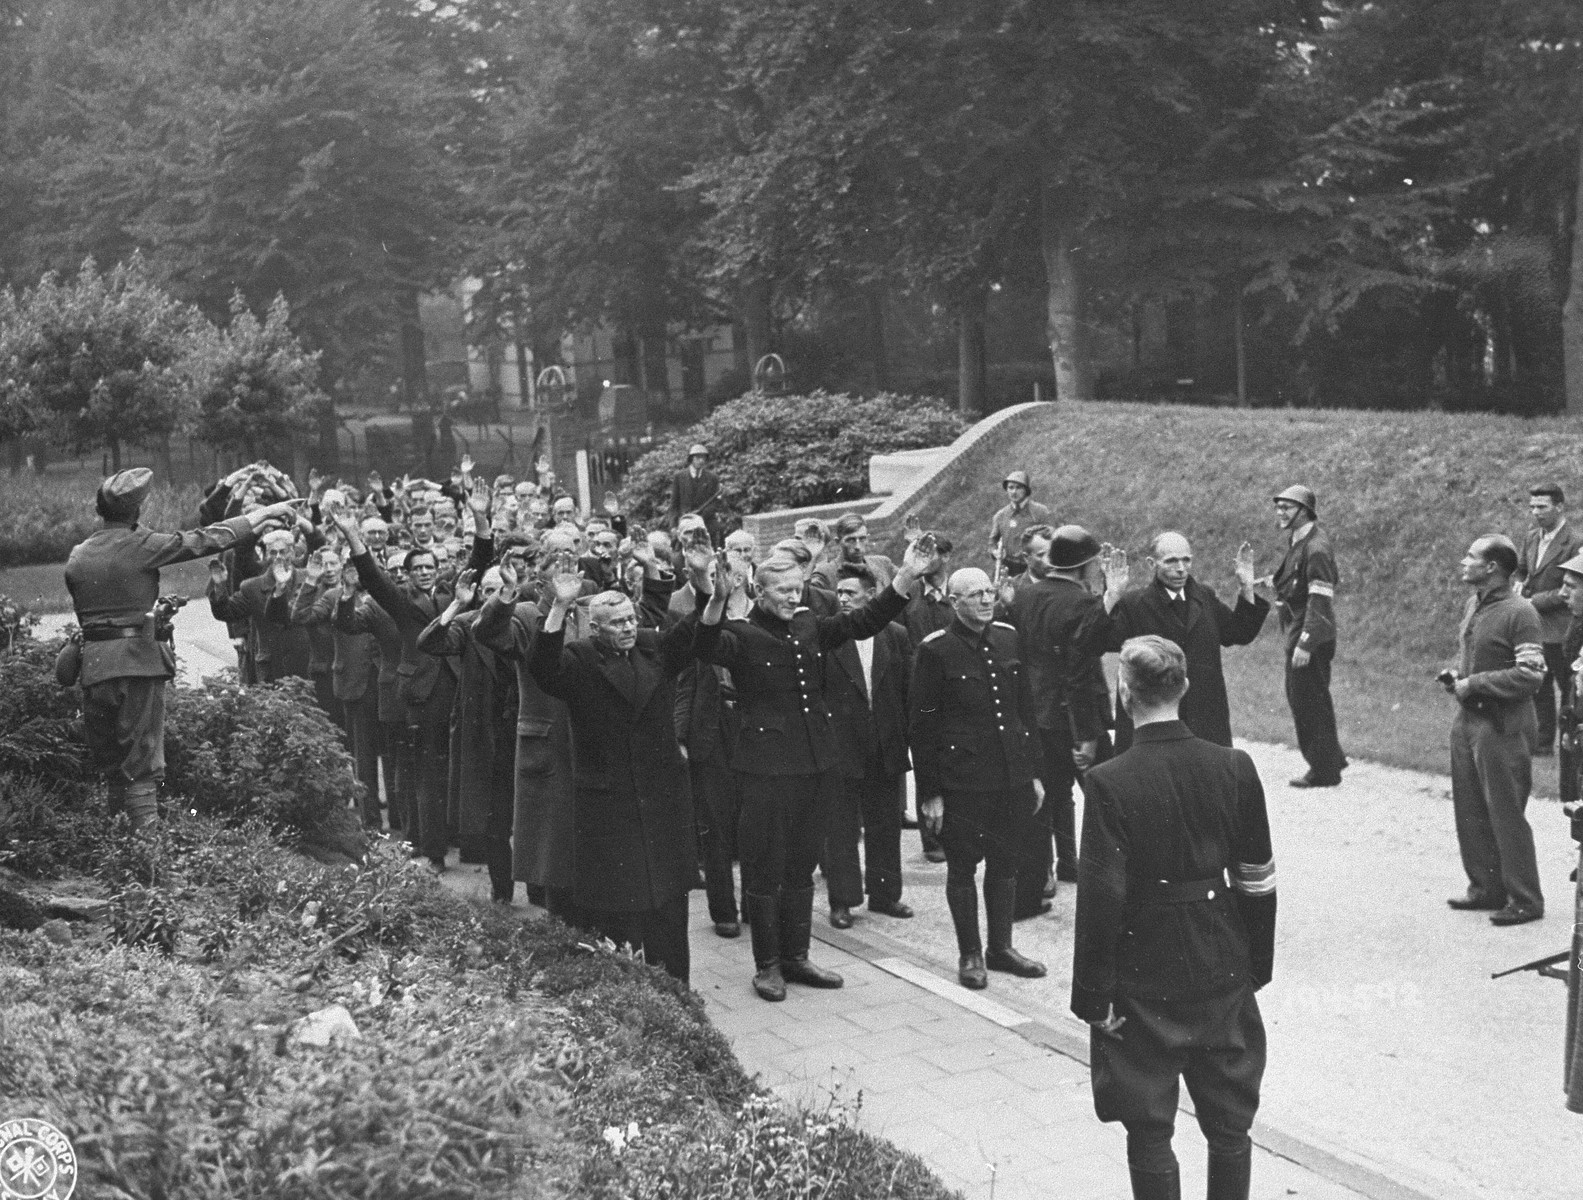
{"points": [[791, 451], [43, 516], [267, 752]]}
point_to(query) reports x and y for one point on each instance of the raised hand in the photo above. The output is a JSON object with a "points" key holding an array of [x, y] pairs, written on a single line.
{"points": [[315, 481], [510, 584], [467, 465], [281, 572], [921, 557], [479, 500], [697, 557], [911, 528], [566, 588], [1113, 562], [1243, 566], [217, 572], [466, 588], [315, 569], [612, 505]]}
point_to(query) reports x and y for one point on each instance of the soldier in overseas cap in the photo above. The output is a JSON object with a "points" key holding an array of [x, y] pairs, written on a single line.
{"points": [[1305, 591], [127, 659]]}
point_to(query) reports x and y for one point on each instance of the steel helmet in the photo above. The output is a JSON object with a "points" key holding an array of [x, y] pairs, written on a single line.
{"points": [[1071, 547], [1298, 494], [1018, 477]]}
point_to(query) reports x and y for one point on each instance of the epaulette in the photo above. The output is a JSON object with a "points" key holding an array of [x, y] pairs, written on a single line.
{"points": [[1004, 625], [930, 637]]}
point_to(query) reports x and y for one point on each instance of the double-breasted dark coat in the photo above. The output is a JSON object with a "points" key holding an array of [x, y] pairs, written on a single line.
{"points": [[483, 731], [280, 649], [542, 845], [633, 816], [1208, 624]]}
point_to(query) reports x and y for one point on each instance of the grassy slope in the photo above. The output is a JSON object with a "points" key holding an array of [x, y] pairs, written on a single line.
{"points": [[1402, 495]]}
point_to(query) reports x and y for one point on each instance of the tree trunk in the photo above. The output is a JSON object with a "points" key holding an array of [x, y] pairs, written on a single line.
{"points": [[879, 357], [1237, 318], [971, 368], [414, 363], [1063, 297], [753, 304], [115, 454], [1572, 310]]}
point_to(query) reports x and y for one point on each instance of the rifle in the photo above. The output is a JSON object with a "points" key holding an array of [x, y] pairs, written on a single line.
{"points": [[1539, 965]]}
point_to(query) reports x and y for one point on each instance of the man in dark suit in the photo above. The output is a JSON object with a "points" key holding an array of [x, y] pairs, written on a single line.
{"points": [[353, 615], [354, 671], [696, 489], [787, 750], [1166, 955], [279, 649], [866, 691], [706, 729], [634, 857], [1551, 542], [1176, 606], [1057, 613]]}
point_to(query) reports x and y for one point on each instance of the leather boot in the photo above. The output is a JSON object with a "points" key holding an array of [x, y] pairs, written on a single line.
{"points": [[1158, 1185], [764, 927], [963, 903], [142, 802], [796, 917], [1230, 1175], [1000, 900]]}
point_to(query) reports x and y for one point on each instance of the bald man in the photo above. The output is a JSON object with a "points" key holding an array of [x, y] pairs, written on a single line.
{"points": [[1176, 606], [1501, 667], [976, 761]]}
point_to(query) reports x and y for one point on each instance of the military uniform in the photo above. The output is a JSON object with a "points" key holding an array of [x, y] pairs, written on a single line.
{"points": [[1305, 589], [788, 759], [972, 720], [1161, 938], [1006, 529], [113, 577]]}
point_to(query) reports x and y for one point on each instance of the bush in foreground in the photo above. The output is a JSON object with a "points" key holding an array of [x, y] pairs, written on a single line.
{"points": [[792, 451]]}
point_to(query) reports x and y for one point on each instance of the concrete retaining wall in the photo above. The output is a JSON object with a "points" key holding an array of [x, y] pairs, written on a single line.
{"points": [[956, 464]]}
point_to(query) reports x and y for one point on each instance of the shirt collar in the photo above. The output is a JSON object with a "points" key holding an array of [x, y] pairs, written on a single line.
{"points": [[1496, 591], [1161, 731], [1303, 531]]}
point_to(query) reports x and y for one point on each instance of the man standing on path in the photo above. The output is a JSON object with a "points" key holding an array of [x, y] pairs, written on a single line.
{"points": [[127, 655], [786, 750], [977, 768], [1548, 544], [1007, 526], [1175, 606], [633, 816], [1500, 668], [1305, 590], [866, 690], [1166, 956], [1058, 616]]}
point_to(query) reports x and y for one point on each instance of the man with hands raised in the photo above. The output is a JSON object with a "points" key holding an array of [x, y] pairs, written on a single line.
{"points": [[634, 853], [787, 751]]}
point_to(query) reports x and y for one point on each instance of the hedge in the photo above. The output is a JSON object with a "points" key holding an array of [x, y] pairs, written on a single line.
{"points": [[43, 516], [791, 451]]}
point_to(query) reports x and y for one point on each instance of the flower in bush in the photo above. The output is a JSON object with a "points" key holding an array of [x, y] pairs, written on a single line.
{"points": [[792, 451]]}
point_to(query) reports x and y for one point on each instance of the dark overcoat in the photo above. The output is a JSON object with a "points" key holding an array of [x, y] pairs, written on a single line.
{"points": [[636, 847], [872, 736], [1210, 624]]}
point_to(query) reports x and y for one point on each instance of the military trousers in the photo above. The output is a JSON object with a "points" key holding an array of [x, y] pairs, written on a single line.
{"points": [[782, 827], [124, 725], [1216, 1045], [1314, 714], [1491, 777], [989, 828], [1558, 679]]}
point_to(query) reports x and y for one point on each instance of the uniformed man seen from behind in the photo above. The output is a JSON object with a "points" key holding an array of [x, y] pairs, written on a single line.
{"points": [[976, 762], [786, 753], [127, 655], [1305, 591], [1166, 956]]}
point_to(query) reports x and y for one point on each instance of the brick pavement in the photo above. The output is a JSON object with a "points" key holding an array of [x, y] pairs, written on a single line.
{"points": [[992, 1099]]}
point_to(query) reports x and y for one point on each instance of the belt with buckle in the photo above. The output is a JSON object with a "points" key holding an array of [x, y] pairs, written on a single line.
{"points": [[112, 633]]}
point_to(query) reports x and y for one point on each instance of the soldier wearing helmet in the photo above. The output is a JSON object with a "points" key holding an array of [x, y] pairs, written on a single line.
{"points": [[1006, 530], [1305, 591]]}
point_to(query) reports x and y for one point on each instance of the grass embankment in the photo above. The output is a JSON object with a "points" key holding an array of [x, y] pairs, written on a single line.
{"points": [[1402, 495]]}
